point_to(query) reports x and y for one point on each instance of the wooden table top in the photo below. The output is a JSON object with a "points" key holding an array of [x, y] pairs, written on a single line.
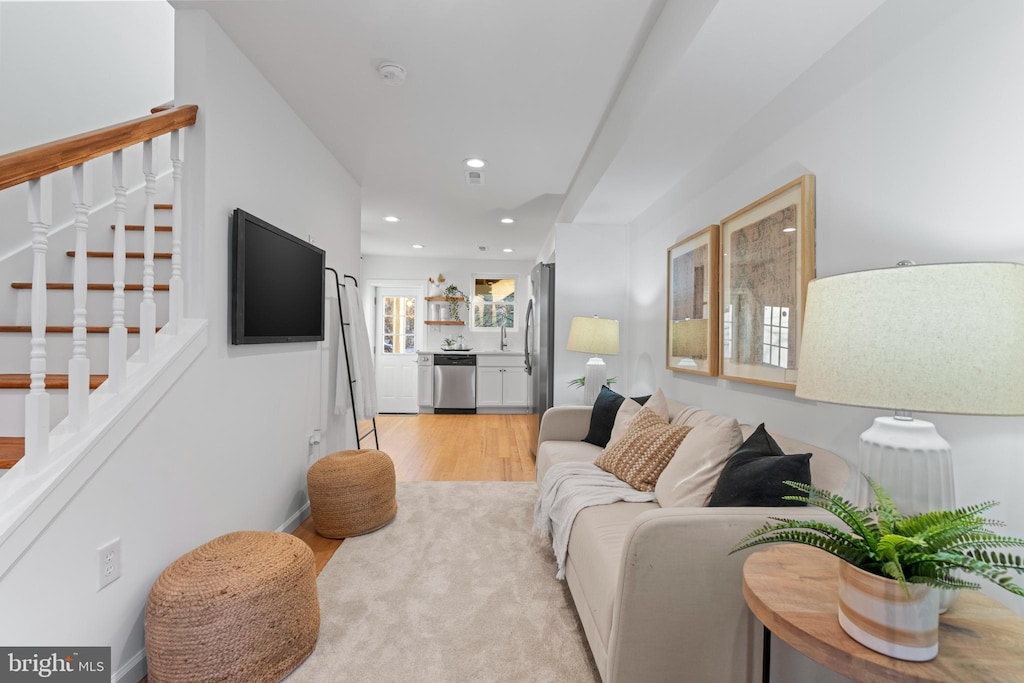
{"points": [[793, 590]]}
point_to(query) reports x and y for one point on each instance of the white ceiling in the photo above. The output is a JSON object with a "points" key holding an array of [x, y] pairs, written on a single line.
{"points": [[586, 110]]}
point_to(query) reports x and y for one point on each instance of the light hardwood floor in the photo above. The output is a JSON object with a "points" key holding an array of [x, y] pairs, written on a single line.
{"points": [[443, 448]]}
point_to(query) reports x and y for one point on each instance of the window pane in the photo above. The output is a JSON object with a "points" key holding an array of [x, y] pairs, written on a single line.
{"points": [[389, 325], [410, 308], [410, 325], [410, 344], [493, 301], [389, 343], [389, 306]]}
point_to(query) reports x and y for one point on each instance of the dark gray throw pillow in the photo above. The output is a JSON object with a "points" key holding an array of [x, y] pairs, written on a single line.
{"points": [[754, 474], [602, 418]]}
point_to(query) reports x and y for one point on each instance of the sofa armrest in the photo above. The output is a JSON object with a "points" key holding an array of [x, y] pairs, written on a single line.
{"points": [[679, 604], [565, 423]]}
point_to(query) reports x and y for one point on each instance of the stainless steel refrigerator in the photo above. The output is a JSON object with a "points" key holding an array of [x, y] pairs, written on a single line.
{"points": [[540, 343]]}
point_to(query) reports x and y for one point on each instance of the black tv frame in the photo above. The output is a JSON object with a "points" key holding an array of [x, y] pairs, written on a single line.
{"points": [[237, 280]]}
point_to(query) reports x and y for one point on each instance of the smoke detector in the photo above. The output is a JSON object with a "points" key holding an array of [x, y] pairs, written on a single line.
{"points": [[474, 177], [391, 73]]}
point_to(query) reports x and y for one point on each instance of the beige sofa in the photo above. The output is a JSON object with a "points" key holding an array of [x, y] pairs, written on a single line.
{"points": [[658, 594]]}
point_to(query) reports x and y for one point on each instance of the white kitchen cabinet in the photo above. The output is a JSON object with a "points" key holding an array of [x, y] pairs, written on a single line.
{"points": [[425, 382], [501, 384]]}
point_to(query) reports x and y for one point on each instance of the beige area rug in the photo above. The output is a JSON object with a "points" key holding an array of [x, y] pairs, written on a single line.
{"points": [[457, 588]]}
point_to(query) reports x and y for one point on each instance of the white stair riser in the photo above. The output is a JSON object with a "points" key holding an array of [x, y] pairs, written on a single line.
{"points": [[15, 348], [12, 409], [60, 306], [102, 270]]}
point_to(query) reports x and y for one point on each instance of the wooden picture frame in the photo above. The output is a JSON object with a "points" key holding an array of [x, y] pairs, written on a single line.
{"points": [[692, 304], [767, 261]]}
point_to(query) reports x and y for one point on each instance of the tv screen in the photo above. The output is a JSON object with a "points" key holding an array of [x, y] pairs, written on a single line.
{"points": [[277, 284]]}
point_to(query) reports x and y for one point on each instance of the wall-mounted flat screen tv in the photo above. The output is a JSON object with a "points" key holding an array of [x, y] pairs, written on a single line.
{"points": [[277, 284]]}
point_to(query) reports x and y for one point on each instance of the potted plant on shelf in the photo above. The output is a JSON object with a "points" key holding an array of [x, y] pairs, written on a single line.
{"points": [[455, 298], [891, 564]]}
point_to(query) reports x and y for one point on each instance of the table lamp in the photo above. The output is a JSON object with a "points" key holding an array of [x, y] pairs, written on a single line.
{"points": [[942, 338], [599, 336]]}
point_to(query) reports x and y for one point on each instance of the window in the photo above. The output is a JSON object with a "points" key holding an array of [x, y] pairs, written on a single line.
{"points": [[494, 301], [399, 324]]}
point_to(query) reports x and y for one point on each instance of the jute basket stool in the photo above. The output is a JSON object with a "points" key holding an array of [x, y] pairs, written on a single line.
{"points": [[242, 607], [352, 492]]}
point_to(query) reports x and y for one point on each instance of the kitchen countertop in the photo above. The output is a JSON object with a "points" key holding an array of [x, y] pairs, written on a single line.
{"points": [[475, 352]]}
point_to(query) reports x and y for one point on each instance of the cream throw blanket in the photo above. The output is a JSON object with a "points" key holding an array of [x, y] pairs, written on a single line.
{"points": [[567, 488]]}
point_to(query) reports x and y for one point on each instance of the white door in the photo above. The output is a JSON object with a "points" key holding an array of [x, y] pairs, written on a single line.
{"points": [[395, 342]]}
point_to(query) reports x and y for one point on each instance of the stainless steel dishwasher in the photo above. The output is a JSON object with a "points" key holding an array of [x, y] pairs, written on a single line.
{"points": [[454, 383]]}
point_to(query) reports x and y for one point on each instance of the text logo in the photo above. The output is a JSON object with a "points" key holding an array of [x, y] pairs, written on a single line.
{"points": [[57, 664]]}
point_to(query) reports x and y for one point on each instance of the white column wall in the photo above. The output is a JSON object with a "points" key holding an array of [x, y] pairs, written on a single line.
{"points": [[227, 448]]}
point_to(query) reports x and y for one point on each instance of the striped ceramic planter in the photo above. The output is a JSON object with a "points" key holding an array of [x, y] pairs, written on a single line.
{"points": [[876, 612]]}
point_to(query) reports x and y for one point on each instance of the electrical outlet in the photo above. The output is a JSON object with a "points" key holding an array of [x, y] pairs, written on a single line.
{"points": [[109, 556]]}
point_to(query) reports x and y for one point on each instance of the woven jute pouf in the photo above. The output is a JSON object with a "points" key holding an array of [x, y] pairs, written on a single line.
{"points": [[242, 607], [352, 492]]}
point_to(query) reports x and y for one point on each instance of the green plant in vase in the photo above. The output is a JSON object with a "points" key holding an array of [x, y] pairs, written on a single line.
{"points": [[891, 562], [455, 298]]}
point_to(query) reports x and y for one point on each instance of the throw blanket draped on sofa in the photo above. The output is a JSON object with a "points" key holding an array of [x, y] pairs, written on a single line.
{"points": [[567, 488]]}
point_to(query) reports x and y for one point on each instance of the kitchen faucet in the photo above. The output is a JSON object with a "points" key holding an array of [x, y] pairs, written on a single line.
{"points": [[504, 338]]}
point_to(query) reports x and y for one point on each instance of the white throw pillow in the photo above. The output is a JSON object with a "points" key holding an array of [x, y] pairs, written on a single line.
{"points": [[628, 410], [691, 475]]}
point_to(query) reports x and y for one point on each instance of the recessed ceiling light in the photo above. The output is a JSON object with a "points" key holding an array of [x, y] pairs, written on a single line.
{"points": [[475, 163], [508, 220], [391, 219], [507, 251], [789, 230], [417, 246]]}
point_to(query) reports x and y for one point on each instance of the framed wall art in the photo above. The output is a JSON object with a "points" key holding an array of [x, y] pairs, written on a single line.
{"points": [[767, 261], [692, 342]]}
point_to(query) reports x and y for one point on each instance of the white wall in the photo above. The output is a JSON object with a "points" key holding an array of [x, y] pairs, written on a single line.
{"points": [[924, 159], [591, 278], [414, 271], [227, 448]]}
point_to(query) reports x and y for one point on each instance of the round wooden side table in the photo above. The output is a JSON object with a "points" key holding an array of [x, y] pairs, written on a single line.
{"points": [[793, 589]]}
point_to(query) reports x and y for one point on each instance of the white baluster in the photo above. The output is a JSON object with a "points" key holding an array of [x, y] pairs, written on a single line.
{"points": [[176, 295], [78, 366], [118, 346], [147, 312], [37, 403]]}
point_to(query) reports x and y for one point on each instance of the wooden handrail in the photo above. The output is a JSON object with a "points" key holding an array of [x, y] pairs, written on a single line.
{"points": [[36, 162]]}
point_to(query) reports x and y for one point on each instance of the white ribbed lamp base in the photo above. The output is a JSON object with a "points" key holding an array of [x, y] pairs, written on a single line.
{"points": [[914, 465], [595, 377]]}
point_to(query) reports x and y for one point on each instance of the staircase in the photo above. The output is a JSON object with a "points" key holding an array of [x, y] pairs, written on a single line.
{"points": [[81, 360], [15, 339]]}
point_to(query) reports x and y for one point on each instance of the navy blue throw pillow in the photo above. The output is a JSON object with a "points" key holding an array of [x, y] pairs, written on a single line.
{"points": [[754, 474], [602, 419]]}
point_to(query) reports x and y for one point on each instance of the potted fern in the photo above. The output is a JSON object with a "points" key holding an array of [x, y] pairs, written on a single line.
{"points": [[455, 298], [892, 563]]}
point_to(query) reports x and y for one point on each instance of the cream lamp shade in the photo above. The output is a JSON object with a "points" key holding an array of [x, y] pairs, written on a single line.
{"points": [[599, 336], [943, 338]]}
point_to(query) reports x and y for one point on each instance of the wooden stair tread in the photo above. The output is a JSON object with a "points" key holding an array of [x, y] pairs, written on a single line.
{"points": [[163, 207], [66, 329], [136, 228], [24, 381], [128, 254], [12, 449], [92, 286]]}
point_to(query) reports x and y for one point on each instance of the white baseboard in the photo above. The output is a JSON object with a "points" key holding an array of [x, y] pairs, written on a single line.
{"points": [[134, 669], [293, 522]]}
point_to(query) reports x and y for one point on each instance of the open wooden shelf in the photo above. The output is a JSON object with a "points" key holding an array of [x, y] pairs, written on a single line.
{"points": [[443, 298], [444, 322]]}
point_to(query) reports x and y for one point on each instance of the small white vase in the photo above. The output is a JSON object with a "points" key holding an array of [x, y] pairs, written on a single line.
{"points": [[435, 290], [876, 613]]}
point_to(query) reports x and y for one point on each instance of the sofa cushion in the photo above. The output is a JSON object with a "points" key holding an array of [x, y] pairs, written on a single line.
{"points": [[629, 408], [754, 474], [602, 417], [639, 457], [690, 477], [595, 555], [551, 452]]}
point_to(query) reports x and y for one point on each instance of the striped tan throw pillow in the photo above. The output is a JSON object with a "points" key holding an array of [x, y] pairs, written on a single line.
{"points": [[643, 452]]}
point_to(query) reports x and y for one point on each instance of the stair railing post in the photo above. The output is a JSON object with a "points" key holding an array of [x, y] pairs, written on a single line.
{"points": [[118, 342], [147, 311], [176, 298], [78, 366], [37, 403]]}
